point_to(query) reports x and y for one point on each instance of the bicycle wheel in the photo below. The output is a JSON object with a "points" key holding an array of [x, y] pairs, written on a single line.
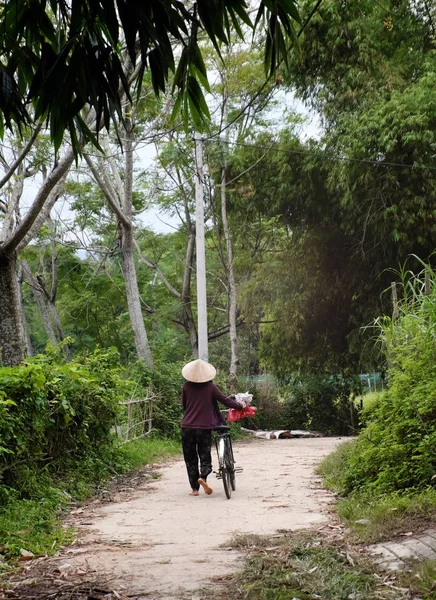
{"points": [[226, 482], [221, 448], [230, 466]]}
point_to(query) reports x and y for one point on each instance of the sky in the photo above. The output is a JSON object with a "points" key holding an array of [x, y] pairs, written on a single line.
{"points": [[159, 221]]}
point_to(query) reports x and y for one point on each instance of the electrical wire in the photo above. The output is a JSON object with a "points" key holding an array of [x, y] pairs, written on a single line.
{"points": [[322, 155]]}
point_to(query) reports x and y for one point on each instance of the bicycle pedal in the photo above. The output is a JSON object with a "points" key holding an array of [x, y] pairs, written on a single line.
{"points": [[238, 469]]}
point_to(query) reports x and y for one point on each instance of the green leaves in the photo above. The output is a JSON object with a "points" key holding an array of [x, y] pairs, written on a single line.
{"points": [[396, 451], [52, 413], [62, 57]]}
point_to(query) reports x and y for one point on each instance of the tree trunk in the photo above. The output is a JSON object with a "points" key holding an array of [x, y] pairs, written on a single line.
{"points": [[128, 262], [234, 360], [11, 324], [28, 341], [54, 315], [41, 301], [133, 296]]}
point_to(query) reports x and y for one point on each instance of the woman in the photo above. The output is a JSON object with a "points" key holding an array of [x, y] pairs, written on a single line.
{"points": [[200, 397]]}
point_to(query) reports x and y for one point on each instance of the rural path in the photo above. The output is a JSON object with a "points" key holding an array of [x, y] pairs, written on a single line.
{"points": [[155, 541]]}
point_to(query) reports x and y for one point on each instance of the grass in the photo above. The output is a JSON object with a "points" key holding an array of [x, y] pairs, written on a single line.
{"points": [[303, 566], [385, 516], [35, 525], [146, 451], [332, 467], [309, 565], [370, 398]]}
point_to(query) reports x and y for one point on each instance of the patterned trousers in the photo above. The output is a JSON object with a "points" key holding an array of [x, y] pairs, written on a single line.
{"points": [[196, 444]]}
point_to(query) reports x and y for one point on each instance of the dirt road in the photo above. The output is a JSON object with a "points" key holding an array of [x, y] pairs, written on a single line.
{"points": [[156, 541]]}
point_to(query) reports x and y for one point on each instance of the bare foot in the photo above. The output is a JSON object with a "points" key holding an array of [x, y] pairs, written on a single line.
{"points": [[206, 487], [194, 493]]}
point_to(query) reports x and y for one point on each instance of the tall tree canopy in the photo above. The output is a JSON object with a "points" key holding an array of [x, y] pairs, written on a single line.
{"points": [[366, 190], [61, 55]]}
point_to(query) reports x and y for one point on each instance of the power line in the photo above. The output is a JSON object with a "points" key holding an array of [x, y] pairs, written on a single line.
{"points": [[322, 155]]}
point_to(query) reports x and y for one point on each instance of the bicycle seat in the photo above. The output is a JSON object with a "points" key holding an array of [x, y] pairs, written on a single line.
{"points": [[222, 428]]}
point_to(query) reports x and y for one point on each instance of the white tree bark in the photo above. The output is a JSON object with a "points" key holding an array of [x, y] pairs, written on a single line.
{"points": [[234, 358], [12, 338], [128, 261], [119, 198]]}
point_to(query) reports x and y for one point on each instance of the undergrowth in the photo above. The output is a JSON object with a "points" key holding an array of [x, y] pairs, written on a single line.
{"points": [[34, 524], [372, 516], [303, 566], [311, 565]]}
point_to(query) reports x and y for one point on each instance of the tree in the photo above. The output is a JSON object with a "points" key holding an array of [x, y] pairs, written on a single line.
{"points": [[65, 56], [69, 60], [240, 107], [17, 231], [44, 286], [119, 195], [369, 184]]}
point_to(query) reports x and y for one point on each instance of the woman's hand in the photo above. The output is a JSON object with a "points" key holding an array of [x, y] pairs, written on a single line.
{"points": [[243, 405]]}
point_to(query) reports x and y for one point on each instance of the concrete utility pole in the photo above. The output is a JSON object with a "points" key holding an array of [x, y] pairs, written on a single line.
{"points": [[200, 250]]}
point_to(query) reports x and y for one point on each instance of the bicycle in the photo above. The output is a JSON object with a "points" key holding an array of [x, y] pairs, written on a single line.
{"points": [[224, 449], [226, 460]]}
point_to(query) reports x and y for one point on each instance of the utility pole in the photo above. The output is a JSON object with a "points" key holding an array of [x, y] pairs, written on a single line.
{"points": [[200, 250]]}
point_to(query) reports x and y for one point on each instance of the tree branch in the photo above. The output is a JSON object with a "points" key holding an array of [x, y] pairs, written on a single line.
{"points": [[223, 330], [116, 209], [22, 156], [158, 270]]}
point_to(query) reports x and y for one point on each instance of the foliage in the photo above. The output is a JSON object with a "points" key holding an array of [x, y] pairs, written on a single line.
{"points": [[65, 57], [311, 402], [332, 468], [370, 515], [166, 382], [322, 403], [394, 451], [357, 202], [55, 414], [271, 413]]}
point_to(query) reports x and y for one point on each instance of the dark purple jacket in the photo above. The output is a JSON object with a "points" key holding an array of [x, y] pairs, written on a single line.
{"points": [[200, 405]]}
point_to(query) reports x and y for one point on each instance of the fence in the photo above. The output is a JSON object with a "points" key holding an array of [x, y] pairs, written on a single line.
{"points": [[139, 418]]}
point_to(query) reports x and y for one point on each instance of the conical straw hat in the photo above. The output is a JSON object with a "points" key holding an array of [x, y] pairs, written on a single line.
{"points": [[198, 371]]}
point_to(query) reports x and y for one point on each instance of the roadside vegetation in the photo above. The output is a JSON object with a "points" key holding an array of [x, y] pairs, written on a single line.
{"points": [[58, 444], [387, 475], [383, 478], [308, 566]]}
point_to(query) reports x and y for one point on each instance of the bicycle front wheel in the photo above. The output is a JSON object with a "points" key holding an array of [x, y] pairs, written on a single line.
{"points": [[226, 482], [230, 466], [232, 478]]}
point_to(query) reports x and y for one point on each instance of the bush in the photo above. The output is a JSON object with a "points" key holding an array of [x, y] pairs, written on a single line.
{"points": [[166, 381], [317, 403], [321, 403], [55, 414], [395, 452], [271, 412]]}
